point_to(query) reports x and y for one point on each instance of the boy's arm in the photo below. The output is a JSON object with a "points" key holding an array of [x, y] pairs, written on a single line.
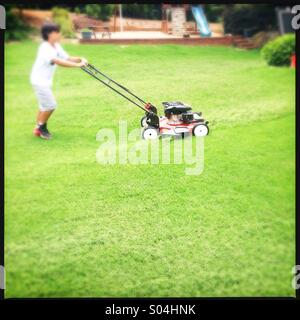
{"points": [[77, 59], [69, 63], [62, 54]]}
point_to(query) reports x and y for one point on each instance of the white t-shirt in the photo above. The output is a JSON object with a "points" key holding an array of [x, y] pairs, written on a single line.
{"points": [[43, 69]]}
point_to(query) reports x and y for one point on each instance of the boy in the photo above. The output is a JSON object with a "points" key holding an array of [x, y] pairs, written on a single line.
{"points": [[49, 55]]}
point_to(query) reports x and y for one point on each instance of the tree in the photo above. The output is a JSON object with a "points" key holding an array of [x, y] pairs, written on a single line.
{"points": [[239, 18], [99, 11], [214, 12], [16, 28], [142, 11]]}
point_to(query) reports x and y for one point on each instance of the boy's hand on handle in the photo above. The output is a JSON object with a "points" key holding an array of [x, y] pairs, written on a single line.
{"points": [[83, 63]]}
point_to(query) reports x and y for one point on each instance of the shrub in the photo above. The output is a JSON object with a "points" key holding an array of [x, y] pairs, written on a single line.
{"points": [[62, 18], [278, 51]]}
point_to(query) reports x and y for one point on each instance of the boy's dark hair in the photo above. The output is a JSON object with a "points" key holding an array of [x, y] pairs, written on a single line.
{"points": [[49, 27]]}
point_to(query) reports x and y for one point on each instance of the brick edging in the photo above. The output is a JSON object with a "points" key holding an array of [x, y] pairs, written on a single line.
{"points": [[225, 41]]}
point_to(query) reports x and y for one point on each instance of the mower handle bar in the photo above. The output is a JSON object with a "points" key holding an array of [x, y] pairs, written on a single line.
{"points": [[115, 82], [95, 73]]}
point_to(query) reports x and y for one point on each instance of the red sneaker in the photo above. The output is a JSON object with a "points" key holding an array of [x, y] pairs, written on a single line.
{"points": [[42, 132], [37, 132]]}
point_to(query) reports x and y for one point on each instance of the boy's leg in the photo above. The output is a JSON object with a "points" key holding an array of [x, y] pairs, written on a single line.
{"points": [[47, 105], [43, 116]]}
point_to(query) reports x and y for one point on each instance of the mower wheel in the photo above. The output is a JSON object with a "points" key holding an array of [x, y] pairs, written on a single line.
{"points": [[149, 133], [143, 121], [200, 130]]}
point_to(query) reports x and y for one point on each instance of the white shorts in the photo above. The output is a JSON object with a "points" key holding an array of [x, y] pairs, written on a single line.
{"points": [[45, 98]]}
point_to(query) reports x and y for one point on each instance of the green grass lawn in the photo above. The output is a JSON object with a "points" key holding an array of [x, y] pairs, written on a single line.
{"points": [[76, 228]]}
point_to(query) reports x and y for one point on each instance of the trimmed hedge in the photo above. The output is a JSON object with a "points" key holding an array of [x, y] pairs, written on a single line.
{"points": [[278, 51]]}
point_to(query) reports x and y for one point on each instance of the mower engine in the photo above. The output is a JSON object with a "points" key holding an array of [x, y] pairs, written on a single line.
{"points": [[187, 117], [180, 112], [179, 119]]}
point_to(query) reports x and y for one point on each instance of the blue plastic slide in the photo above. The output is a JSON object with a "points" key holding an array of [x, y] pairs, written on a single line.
{"points": [[201, 21]]}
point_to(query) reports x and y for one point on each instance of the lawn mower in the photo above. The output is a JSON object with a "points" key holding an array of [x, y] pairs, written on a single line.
{"points": [[179, 119]]}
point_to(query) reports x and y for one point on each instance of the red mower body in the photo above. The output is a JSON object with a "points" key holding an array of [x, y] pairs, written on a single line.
{"points": [[174, 128]]}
